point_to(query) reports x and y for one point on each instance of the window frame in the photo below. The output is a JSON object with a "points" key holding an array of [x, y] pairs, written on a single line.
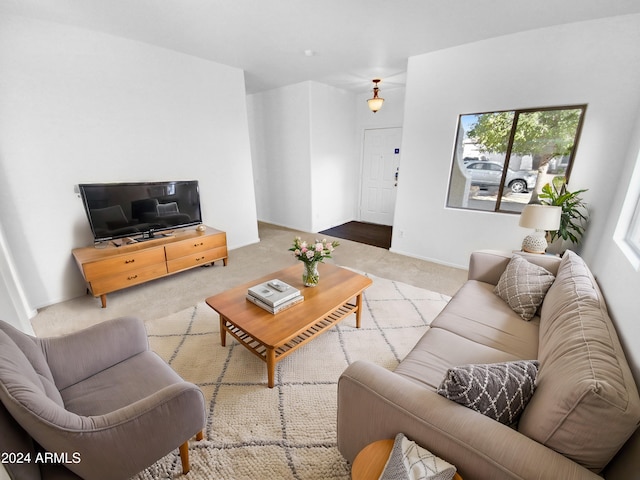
{"points": [[509, 149], [632, 236]]}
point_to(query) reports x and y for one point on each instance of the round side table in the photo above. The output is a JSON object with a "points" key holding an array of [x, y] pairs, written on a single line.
{"points": [[371, 460]]}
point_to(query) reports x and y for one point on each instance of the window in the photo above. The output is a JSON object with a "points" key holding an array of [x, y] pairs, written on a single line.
{"points": [[535, 145], [627, 233], [633, 234]]}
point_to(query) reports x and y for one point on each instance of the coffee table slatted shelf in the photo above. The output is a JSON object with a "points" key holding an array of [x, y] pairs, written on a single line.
{"points": [[273, 337], [261, 351]]}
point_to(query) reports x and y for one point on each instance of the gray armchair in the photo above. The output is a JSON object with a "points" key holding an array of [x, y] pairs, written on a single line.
{"points": [[98, 400]]}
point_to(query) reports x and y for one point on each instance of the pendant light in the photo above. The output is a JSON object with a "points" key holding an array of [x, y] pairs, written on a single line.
{"points": [[376, 102]]}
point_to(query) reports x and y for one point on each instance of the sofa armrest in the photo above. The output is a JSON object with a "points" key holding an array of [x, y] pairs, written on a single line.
{"points": [[488, 265], [374, 403], [80, 355]]}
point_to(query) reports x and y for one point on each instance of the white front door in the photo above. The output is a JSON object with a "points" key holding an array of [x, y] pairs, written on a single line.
{"points": [[381, 152]]}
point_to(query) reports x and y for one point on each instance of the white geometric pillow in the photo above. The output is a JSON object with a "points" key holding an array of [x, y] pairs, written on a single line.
{"points": [[523, 286], [409, 461], [498, 390]]}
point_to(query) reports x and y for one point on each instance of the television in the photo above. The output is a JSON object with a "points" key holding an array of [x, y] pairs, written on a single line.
{"points": [[140, 210]]}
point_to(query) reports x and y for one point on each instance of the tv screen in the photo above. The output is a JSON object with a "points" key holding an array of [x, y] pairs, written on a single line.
{"points": [[117, 210]]}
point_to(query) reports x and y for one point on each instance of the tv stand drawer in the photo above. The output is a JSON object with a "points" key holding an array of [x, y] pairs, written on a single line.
{"points": [[196, 259], [195, 245], [125, 262], [127, 279]]}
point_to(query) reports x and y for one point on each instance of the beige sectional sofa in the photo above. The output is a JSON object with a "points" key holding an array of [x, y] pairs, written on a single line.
{"points": [[584, 408]]}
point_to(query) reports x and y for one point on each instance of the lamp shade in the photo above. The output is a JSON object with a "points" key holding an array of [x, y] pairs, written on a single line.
{"points": [[540, 217], [375, 103]]}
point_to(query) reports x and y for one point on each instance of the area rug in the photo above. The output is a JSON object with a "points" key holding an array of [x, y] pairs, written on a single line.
{"points": [[289, 431]]}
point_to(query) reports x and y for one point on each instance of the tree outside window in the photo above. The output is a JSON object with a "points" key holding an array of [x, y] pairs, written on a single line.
{"points": [[535, 145]]}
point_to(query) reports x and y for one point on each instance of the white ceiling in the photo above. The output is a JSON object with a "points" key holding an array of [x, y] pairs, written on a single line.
{"points": [[353, 41]]}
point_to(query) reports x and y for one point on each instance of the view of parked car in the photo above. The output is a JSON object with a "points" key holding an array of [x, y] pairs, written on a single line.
{"points": [[489, 174]]}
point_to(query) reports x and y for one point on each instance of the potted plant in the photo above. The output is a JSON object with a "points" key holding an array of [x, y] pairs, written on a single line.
{"points": [[574, 215]]}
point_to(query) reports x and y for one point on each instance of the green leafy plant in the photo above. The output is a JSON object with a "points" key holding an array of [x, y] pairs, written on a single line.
{"points": [[574, 215]]}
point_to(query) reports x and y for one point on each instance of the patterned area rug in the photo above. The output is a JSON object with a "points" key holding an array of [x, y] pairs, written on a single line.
{"points": [[288, 432]]}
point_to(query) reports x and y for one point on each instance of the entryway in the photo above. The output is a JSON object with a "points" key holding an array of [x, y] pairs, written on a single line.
{"points": [[380, 170], [362, 232]]}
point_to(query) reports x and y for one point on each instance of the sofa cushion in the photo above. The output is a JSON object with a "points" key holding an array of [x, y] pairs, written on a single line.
{"points": [[477, 314], [438, 350], [523, 286], [586, 403], [499, 390], [120, 385]]}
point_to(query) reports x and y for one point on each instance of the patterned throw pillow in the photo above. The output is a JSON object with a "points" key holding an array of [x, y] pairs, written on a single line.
{"points": [[498, 390], [523, 286], [408, 460]]}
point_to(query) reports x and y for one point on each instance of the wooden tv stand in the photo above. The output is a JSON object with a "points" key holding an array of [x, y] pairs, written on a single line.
{"points": [[116, 267]]}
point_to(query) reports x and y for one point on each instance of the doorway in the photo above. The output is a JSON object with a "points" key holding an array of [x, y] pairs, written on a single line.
{"points": [[380, 169]]}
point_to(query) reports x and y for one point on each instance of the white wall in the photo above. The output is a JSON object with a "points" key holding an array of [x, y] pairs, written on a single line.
{"points": [[14, 307], [304, 155], [79, 106], [592, 62], [306, 143], [619, 279], [334, 161], [617, 276], [280, 144]]}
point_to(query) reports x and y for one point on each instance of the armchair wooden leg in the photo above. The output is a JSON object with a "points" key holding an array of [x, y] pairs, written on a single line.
{"points": [[184, 453], [184, 457]]}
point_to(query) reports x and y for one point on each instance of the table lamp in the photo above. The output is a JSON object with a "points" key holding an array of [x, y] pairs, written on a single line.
{"points": [[542, 218]]}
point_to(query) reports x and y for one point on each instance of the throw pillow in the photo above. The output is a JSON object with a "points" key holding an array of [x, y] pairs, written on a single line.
{"points": [[523, 286], [409, 461], [498, 390]]}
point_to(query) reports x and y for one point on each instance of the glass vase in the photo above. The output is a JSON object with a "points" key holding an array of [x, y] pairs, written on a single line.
{"points": [[310, 275]]}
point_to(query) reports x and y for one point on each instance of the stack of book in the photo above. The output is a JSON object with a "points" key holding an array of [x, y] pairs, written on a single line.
{"points": [[274, 296]]}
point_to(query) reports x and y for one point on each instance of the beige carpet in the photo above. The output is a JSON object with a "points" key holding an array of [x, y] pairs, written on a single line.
{"points": [[288, 432], [176, 292]]}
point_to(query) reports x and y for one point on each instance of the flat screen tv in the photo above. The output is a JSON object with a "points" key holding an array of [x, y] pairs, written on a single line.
{"points": [[139, 210]]}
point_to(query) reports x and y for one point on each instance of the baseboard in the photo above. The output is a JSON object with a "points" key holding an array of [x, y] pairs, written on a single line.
{"points": [[429, 259]]}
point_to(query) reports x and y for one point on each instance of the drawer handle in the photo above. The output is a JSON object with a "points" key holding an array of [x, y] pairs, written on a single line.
{"points": [[199, 258], [198, 244], [132, 277], [130, 261]]}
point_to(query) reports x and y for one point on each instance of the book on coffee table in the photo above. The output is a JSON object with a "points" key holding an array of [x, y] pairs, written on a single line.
{"points": [[281, 307], [273, 293]]}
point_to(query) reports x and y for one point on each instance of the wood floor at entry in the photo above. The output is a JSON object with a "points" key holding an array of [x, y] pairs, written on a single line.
{"points": [[362, 232]]}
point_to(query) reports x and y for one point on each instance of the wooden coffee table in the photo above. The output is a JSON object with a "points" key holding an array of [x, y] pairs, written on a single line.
{"points": [[273, 337]]}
